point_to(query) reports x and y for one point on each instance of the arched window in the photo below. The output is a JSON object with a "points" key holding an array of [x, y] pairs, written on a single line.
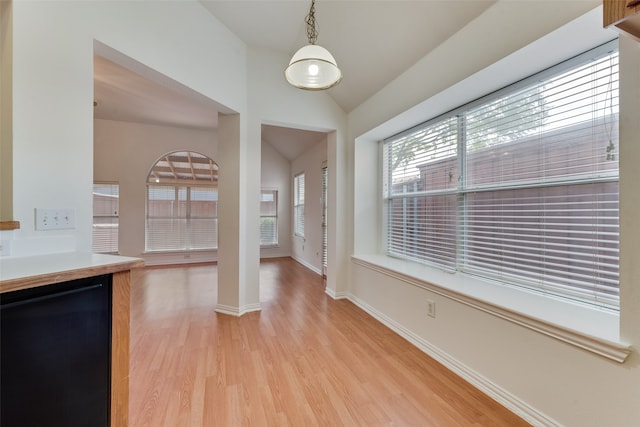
{"points": [[182, 203]]}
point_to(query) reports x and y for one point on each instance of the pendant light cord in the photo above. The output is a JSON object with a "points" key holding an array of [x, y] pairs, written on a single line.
{"points": [[312, 32]]}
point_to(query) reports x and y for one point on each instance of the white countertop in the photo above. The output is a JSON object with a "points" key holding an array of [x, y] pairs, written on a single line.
{"points": [[29, 271]]}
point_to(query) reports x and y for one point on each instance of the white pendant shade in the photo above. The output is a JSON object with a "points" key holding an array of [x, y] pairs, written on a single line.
{"points": [[313, 68]]}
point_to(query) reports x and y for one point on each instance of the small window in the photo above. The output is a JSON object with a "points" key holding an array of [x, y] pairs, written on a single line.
{"points": [[298, 205], [325, 216], [268, 218], [105, 217]]}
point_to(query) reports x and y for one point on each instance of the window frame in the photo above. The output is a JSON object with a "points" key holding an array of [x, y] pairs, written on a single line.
{"points": [[188, 217], [461, 190], [274, 216], [324, 259], [298, 204], [190, 225], [114, 245]]}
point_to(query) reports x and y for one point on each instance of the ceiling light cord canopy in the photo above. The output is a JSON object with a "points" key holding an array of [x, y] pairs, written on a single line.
{"points": [[312, 67]]}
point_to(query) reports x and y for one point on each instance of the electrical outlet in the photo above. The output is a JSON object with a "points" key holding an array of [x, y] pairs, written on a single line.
{"points": [[431, 308], [55, 219]]}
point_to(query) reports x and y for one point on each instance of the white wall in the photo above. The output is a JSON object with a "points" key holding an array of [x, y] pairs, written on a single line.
{"points": [[6, 124], [307, 250], [124, 153], [53, 94], [542, 378], [53, 120], [503, 29], [629, 194], [53, 117], [53, 167], [276, 175], [275, 102]]}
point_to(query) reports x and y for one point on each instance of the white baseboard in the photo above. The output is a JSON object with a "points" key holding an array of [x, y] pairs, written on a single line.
{"points": [[179, 258], [336, 295], [237, 311], [267, 253], [502, 396], [309, 266]]}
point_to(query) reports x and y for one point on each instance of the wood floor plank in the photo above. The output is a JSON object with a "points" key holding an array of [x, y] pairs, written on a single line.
{"points": [[304, 360]]}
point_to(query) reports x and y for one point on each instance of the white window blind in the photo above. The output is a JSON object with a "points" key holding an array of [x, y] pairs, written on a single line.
{"points": [[298, 205], [106, 208], [181, 218], [520, 186], [268, 217], [420, 187], [325, 214]]}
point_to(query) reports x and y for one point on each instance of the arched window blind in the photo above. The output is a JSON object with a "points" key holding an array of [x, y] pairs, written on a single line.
{"points": [[520, 186], [182, 203], [181, 218]]}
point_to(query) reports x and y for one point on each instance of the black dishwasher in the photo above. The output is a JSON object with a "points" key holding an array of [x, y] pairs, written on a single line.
{"points": [[55, 355]]}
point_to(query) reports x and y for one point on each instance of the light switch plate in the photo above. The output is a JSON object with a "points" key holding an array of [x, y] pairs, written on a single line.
{"points": [[55, 219]]}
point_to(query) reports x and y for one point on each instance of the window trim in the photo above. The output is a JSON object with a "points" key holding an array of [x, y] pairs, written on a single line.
{"points": [[298, 227], [117, 218], [276, 244], [369, 242], [188, 170], [177, 187], [460, 191]]}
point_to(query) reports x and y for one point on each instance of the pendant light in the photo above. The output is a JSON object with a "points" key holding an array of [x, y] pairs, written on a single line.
{"points": [[312, 67]]}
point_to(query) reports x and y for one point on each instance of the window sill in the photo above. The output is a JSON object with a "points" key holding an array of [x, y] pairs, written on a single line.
{"points": [[589, 328], [178, 251]]}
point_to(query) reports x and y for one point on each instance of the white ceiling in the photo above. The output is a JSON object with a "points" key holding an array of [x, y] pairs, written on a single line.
{"points": [[123, 95], [372, 41], [291, 142]]}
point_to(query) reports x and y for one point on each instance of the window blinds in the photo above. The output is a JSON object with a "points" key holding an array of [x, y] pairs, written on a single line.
{"points": [[106, 208], [325, 215], [520, 186], [268, 217], [181, 218], [298, 205], [421, 193]]}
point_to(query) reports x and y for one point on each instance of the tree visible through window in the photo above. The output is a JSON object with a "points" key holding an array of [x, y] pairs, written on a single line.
{"points": [[520, 186]]}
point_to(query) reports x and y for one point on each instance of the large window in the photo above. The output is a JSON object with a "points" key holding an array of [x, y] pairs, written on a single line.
{"points": [[268, 218], [520, 186], [298, 205], [182, 203], [106, 208]]}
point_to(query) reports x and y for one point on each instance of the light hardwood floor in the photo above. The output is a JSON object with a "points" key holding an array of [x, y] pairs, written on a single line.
{"points": [[304, 360]]}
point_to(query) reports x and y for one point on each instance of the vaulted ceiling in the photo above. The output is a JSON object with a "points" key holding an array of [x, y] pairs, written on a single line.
{"points": [[372, 41]]}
